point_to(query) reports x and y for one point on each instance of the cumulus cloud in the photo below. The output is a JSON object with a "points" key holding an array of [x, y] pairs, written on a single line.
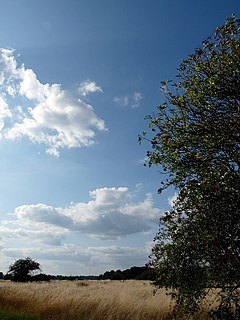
{"points": [[49, 234], [129, 100], [88, 86], [110, 214], [47, 114], [43, 213]]}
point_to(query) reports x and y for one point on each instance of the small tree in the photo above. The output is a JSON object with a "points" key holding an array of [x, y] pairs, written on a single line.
{"points": [[196, 140], [22, 269]]}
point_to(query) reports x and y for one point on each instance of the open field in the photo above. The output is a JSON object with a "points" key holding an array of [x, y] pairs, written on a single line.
{"points": [[84, 300]]}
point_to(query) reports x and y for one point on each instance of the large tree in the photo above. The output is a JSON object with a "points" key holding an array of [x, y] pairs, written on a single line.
{"points": [[196, 140], [22, 269]]}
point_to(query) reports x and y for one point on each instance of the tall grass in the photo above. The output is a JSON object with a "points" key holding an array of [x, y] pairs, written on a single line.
{"points": [[88, 300]]}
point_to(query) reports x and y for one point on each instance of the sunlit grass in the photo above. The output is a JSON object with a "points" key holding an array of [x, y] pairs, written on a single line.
{"points": [[87, 300]]}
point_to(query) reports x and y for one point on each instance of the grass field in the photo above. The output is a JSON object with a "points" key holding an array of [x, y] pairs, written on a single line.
{"points": [[84, 300]]}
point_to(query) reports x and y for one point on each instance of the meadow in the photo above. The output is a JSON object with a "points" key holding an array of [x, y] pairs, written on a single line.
{"points": [[85, 300]]}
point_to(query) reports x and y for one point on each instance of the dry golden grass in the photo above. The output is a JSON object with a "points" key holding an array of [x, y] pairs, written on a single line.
{"points": [[87, 300]]}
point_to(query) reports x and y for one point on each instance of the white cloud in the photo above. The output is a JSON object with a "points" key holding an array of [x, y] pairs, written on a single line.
{"points": [[43, 213], [4, 112], [171, 200], [145, 209], [122, 101], [110, 214], [88, 86], [137, 97], [31, 232], [49, 115], [129, 100]]}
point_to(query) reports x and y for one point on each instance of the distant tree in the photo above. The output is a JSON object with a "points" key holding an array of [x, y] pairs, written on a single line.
{"points": [[40, 277], [117, 275], [196, 141], [21, 270]]}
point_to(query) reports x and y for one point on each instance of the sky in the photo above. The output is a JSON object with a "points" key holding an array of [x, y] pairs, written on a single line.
{"points": [[77, 78]]}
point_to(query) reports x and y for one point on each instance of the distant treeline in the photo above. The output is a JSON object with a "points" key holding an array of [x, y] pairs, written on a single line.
{"points": [[48, 277], [136, 273]]}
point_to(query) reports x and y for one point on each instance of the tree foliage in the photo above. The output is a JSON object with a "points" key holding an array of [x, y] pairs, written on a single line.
{"points": [[22, 269], [197, 127], [196, 140]]}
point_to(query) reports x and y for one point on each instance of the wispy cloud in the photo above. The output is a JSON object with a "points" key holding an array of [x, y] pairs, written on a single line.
{"points": [[132, 100], [137, 97], [122, 101], [143, 161], [44, 113], [88, 86]]}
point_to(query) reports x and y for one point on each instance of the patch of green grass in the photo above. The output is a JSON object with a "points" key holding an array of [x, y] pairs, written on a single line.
{"points": [[11, 316]]}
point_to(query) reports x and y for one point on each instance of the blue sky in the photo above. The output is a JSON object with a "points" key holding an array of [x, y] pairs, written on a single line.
{"points": [[77, 79]]}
